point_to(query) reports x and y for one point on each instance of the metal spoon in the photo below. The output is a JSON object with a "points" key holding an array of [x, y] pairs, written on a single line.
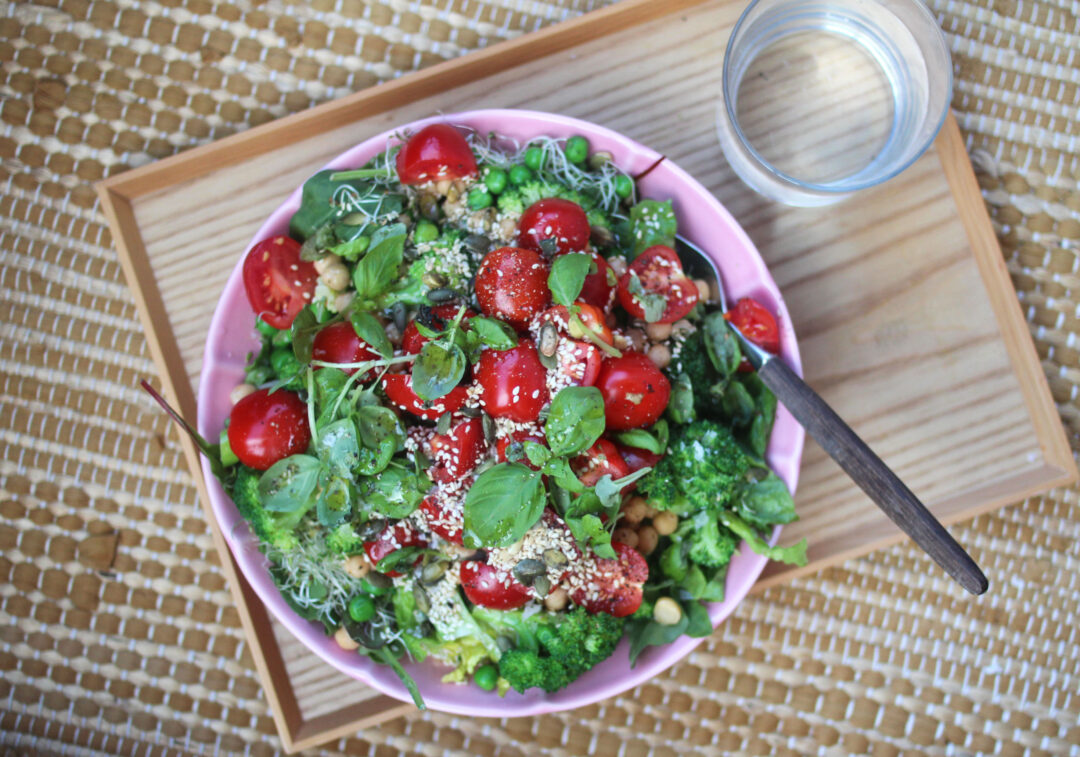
{"points": [[844, 446]]}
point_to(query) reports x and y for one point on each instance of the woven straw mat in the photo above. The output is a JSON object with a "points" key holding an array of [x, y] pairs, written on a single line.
{"points": [[116, 630]]}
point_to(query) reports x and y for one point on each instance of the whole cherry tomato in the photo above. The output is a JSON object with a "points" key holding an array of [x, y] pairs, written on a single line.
{"points": [[436, 152], [457, 452], [562, 221], [601, 459], [338, 343], [412, 340], [618, 583], [660, 273], [511, 284], [599, 286], [390, 540], [756, 323], [265, 428], [398, 388], [278, 283], [483, 586], [518, 437], [513, 382], [635, 391]]}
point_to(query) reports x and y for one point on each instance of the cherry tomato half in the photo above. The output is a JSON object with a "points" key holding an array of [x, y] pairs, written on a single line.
{"points": [[618, 583], [338, 343], [265, 428], [635, 391], [278, 283], [398, 388], [412, 340], [601, 459], [457, 452], [660, 272], [438, 151], [756, 323], [511, 284], [562, 221], [483, 586], [580, 363], [447, 523], [598, 287], [390, 540], [518, 436], [513, 382], [637, 458]]}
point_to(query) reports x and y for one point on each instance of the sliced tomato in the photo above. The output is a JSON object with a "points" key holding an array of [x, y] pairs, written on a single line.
{"points": [[390, 540], [511, 284], [450, 525], [599, 287], [398, 388], [618, 583], [580, 363], [637, 458], [601, 459], [436, 152], [660, 273], [412, 340], [339, 343], [485, 587], [278, 283], [757, 324], [457, 452], [518, 437], [563, 222], [635, 391], [513, 382], [265, 427]]}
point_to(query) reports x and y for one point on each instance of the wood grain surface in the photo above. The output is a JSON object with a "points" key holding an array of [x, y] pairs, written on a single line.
{"points": [[907, 322]]}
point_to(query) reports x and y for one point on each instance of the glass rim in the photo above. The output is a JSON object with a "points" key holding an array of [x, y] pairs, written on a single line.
{"points": [[834, 189]]}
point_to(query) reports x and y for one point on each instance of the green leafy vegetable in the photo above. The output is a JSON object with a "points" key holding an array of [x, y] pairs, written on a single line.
{"points": [[567, 277], [378, 269], [338, 448], [438, 369], [288, 484], [766, 503], [652, 222], [334, 504], [575, 420], [303, 330], [653, 303], [493, 332], [721, 344], [589, 531], [395, 493], [368, 328], [794, 555], [503, 503], [655, 442]]}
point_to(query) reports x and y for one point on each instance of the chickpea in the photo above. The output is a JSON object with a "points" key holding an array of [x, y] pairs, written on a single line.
{"points": [[703, 289], [666, 611], [357, 566], [557, 599], [507, 227], [393, 334], [335, 277], [442, 186], [665, 523], [650, 510], [341, 636], [625, 535], [647, 539], [323, 263], [633, 511], [660, 355], [681, 328], [341, 301], [637, 339], [658, 332], [239, 392]]}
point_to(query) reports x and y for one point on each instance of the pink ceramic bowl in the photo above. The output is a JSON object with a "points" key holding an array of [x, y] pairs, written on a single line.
{"points": [[702, 219]]}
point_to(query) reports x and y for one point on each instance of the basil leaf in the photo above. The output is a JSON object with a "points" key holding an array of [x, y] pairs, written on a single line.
{"points": [[567, 277], [286, 486], [329, 383], [537, 453], [589, 532], [378, 269], [721, 344], [372, 461], [714, 589], [437, 369], [560, 471], [337, 447], [698, 624], [303, 330], [395, 492], [352, 249], [761, 427], [609, 490], [652, 222], [793, 555], [503, 503], [575, 420], [371, 332], [315, 246], [335, 502], [377, 423], [653, 303], [493, 333]]}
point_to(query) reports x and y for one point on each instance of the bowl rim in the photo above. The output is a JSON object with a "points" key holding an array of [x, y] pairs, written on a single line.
{"points": [[218, 357]]}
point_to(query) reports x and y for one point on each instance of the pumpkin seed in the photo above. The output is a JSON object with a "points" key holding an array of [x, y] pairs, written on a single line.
{"points": [[602, 236], [400, 315], [423, 601], [599, 159], [372, 528], [489, 428], [442, 425], [433, 280], [553, 558], [471, 412], [436, 296], [549, 339], [429, 206], [432, 573], [542, 586], [528, 570], [356, 219], [379, 580], [477, 244]]}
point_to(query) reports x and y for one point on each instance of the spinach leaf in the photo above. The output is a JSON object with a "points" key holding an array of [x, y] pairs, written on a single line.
{"points": [[721, 344], [493, 333], [315, 209], [738, 405], [793, 555], [337, 447], [378, 269], [286, 486], [645, 632], [680, 407], [395, 493], [766, 503], [503, 503], [567, 277], [303, 330], [652, 222], [589, 532], [653, 303], [352, 249], [575, 420], [714, 589], [698, 624], [335, 502], [761, 427], [437, 369], [371, 332]]}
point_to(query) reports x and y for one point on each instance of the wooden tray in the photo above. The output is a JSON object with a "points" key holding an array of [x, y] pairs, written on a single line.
{"points": [[908, 322]]}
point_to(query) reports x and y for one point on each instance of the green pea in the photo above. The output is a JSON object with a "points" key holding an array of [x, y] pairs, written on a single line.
{"points": [[486, 677], [361, 608], [479, 199], [282, 338], [624, 186], [260, 374], [520, 174], [577, 149], [284, 362], [495, 180], [264, 328], [534, 158], [425, 231]]}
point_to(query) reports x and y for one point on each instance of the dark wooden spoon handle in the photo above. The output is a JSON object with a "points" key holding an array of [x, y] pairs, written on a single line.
{"points": [[871, 474]]}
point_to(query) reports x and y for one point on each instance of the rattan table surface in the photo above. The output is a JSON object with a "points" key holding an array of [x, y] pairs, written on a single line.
{"points": [[117, 634]]}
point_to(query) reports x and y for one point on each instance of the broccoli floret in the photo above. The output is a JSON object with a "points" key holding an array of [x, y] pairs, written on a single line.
{"points": [[702, 470], [344, 540], [273, 529], [511, 203], [711, 545], [576, 644], [692, 363]]}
